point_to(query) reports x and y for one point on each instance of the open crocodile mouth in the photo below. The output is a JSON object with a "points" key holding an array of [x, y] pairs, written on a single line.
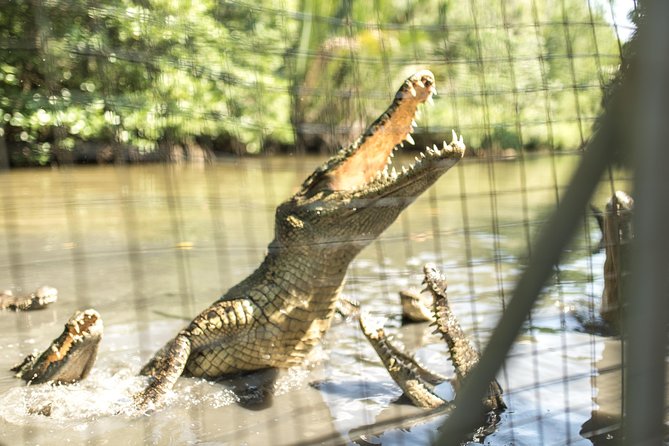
{"points": [[371, 164], [81, 326]]}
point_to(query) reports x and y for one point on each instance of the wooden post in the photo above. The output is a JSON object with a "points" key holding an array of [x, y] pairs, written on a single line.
{"points": [[618, 234], [4, 153]]}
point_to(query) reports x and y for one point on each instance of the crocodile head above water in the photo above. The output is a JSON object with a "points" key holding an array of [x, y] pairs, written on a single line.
{"points": [[70, 356], [339, 209], [358, 193], [276, 315]]}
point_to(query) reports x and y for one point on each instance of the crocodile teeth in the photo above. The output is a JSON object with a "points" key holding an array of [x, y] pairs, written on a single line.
{"points": [[461, 140], [404, 170], [409, 139], [454, 136], [394, 173], [418, 159], [445, 146], [422, 155], [413, 123]]}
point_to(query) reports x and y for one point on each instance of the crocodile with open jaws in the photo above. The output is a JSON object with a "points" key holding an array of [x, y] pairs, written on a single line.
{"points": [[37, 300], [276, 315], [416, 381]]}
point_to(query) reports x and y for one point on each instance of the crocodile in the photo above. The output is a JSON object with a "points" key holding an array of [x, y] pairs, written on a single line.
{"points": [[464, 354], [37, 300], [275, 316], [70, 357], [414, 379]]}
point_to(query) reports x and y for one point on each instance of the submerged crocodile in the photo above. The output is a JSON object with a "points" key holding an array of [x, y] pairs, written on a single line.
{"points": [[416, 381], [37, 300], [276, 315], [70, 357]]}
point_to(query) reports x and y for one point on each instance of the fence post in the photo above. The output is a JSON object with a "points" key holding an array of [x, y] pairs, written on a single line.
{"points": [[648, 296]]}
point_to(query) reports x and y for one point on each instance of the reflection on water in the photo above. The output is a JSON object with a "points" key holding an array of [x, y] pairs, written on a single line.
{"points": [[150, 246]]}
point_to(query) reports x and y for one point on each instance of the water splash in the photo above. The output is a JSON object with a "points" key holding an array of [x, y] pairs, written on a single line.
{"points": [[105, 392]]}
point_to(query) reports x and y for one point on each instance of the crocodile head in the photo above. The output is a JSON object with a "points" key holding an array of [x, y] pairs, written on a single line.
{"points": [[70, 356], [348, 201], [43, 296]]}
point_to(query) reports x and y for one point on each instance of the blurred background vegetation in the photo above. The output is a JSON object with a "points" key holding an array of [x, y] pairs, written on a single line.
{"points": [[141, 80]]}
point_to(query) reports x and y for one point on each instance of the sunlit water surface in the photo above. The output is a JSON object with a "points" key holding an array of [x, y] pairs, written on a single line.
{"points": [[150, 246]]}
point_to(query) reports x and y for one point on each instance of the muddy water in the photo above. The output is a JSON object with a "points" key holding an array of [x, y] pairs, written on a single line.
{"points": [[150, 246]]}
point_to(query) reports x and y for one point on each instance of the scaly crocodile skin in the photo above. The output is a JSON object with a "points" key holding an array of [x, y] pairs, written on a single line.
{"points": [[464, 354], [275, 316]]}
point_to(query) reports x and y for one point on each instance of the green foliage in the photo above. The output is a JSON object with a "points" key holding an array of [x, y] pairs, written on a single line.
{"points": [[143, 73], [510, 74]]}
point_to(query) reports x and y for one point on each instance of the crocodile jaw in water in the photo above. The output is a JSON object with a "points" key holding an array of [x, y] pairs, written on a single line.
{"points": [[39, 299], [70, 356]]}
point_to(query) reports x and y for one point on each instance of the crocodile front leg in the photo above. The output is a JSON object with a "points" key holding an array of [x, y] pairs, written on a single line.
{"points": [[203, 349], [165, 371]]}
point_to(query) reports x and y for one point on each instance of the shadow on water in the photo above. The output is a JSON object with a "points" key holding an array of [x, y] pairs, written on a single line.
{"points": [[603, 427], [256, 390]]}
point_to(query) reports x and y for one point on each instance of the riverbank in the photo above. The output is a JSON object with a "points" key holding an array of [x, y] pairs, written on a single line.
{"points": [[207, 151]]}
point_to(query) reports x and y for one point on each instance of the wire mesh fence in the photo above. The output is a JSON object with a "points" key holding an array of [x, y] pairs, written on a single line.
{"points": [[238, 103]]}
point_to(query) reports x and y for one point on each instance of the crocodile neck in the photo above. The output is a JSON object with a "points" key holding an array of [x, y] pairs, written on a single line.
{"points": [[300, 282]]}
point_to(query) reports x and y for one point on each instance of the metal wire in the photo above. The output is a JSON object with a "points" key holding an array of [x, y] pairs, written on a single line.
{"points": [[468, 226]]}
